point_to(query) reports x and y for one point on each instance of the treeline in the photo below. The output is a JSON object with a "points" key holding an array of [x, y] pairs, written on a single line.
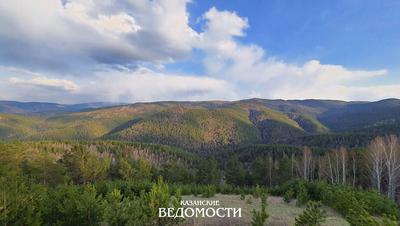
{"points": [[54, 163], [375, 167]]}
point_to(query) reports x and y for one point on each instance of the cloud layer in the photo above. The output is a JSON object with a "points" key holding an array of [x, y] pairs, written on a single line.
{"points": [[82, 50]]}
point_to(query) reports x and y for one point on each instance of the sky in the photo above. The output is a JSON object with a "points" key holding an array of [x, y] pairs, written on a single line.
{"points": [[75, 51]]}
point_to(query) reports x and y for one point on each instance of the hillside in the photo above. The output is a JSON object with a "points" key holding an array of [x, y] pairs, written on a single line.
{"points": [[193, 128], [358, 116], [212, 125], [17, 127]]}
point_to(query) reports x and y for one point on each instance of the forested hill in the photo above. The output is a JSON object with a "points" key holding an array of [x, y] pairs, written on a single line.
{"points": [[207, 125]]}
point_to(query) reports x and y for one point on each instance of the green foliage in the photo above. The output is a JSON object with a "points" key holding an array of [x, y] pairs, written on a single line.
{"points": [[21, 203], [208, 172], [235, 172], [302, 195], [360, 217], [358, 206], [288, 196], [143, 169], [42, 168], [119, 210], [344, 199], [258, 191], [389, 221], [313, 215], [73, 205], [85, 166], [242, 196], [125, 169], [176, 172], [209, 191], [160, 197], [258, 217], [284, 169], [76, 183]]}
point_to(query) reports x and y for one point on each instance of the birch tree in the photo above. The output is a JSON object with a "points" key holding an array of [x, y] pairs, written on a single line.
{"points": [[391, 162], [343, 158], [306, 164], [375, 157]]}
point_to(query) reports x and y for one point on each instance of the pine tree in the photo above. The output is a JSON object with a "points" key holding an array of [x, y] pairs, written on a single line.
{"points": [[235, 172], [208, 172], [302, 195], [313, 215], [259, 217], [287, 197], [360, 217]]}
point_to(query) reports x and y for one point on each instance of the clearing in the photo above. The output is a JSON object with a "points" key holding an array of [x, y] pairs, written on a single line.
{"points": [[280, 213]]}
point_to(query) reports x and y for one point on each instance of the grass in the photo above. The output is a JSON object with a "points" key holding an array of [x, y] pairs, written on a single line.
{"points": [[280, 213]]}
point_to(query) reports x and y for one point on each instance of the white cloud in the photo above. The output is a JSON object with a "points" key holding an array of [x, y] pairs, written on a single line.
{"points": [[146, 85], [114, 85], [46, 82], [119, 23], [85, 50], [79, 35], [224, 24]]}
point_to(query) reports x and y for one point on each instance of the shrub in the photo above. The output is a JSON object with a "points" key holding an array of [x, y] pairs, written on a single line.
{"points": [[288, 196], [242, 196], [209, 191], [389, 221], [360, 217], [257, 191], [259, 217], [313, 215], [249, 200], [302, 195]]}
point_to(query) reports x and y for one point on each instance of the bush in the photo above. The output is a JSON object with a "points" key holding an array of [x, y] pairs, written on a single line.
{"points": [[242, 196], [360, 217], [288, 196], [74, 205], [259, 217], [313, 215], [389, 221], [341, 198], [257, 191], [302, 195], [209, 191], [249, 200]]}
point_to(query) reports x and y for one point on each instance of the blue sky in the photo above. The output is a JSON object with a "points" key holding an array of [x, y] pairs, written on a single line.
{"points": [[357, 33], [354, 33], [139, 50]]}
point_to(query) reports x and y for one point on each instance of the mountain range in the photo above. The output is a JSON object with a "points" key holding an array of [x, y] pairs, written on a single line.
{"points": [[206, 125]]}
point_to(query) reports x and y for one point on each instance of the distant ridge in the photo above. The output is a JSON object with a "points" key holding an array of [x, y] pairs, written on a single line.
{"points": [[44, 108], [206, 125]]}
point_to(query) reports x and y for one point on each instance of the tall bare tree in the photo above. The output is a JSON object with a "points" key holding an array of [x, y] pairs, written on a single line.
{"points": [[306, 164], [353, 157], [343, 158], [375, 157], [392, 163]]}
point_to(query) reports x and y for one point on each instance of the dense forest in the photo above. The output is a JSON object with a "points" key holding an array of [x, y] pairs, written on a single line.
{"points": [[118, 165], [118, 183]]}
